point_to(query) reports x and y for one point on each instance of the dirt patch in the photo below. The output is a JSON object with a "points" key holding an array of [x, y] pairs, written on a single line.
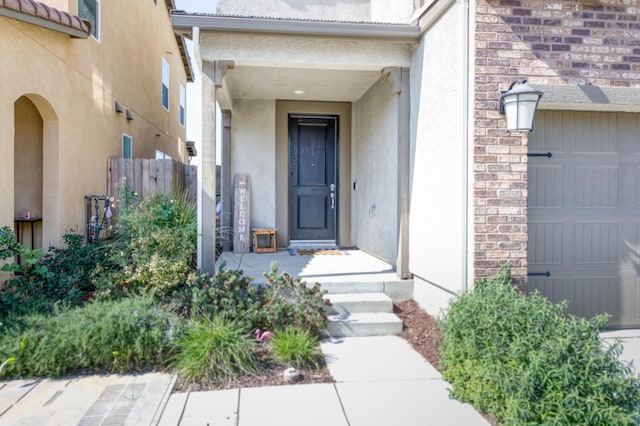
{"points": [[270, 374]]}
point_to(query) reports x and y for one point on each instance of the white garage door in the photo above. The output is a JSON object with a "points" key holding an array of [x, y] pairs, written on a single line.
{"points": [[584, 212]]}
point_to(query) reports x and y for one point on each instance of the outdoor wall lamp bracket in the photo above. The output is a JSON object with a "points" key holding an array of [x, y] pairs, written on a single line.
{"points": [[519, 105]]}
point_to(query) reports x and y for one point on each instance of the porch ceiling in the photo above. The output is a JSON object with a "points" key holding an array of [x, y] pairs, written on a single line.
{"points": [[247, 82]]}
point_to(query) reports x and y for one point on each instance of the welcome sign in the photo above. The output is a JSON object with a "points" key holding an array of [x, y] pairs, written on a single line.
{"points": [[241, 213]]}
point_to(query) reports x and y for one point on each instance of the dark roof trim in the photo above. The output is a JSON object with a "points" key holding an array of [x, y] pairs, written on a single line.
{"points": [[188, 68], [183, 21], [42, 15]]}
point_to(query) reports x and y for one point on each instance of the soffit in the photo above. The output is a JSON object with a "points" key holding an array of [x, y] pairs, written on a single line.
{"points": [[40, 14], [246, 82]]}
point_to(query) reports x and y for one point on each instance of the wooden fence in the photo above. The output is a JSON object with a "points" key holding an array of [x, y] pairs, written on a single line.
{"points": [[149, 176]]}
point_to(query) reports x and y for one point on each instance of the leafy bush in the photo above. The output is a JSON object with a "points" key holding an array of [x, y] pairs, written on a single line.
{"points": [[116, 336], [228, 292], [297, 347], [24, 290], [215, 349], [523, 360], [155, 247], [72, 269], [9, 247], [288, 302], [62, 275]]}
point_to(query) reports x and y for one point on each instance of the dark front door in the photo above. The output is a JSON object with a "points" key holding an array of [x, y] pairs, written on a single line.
{"points": [[312, 178]]}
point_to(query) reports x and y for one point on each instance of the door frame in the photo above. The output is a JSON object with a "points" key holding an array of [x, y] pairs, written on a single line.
{"points": [[334, 179], [343, 111]]}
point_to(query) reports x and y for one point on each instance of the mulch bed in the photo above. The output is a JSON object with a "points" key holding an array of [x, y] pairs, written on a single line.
{"points": [[270, 374], [420, 329]]}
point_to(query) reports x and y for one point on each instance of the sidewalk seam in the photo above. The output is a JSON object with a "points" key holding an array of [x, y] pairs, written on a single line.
{"points": [[155, 420], [344, 412], [237, 413]]}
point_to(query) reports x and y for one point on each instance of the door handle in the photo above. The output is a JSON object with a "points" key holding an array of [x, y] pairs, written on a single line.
{"points": [[333, 201]]}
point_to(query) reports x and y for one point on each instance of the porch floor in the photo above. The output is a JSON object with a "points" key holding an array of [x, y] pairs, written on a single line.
{"points": [[351, 266]]}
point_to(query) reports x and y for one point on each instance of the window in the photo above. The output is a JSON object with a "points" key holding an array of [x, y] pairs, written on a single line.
{"points": [[90, 10], [127, 146], [165, 84], [183, 96], [160, 155]]}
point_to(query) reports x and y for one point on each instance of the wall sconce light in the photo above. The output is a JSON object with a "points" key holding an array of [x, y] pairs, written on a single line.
{"points": [[129, 115], [118, 107], [519, 105], [191, 148]]}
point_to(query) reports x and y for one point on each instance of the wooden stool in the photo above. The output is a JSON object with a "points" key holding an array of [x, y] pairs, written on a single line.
{"points": [[271, 233]]}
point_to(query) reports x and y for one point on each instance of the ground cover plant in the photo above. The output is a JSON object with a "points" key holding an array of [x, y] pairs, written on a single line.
{"points": [[523, 360], [122, 335]]}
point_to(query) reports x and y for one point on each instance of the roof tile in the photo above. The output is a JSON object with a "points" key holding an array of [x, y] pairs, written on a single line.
{"points": [[41, 10]]}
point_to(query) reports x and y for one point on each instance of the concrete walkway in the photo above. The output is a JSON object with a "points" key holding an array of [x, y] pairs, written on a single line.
{"points": [[379, 381]]}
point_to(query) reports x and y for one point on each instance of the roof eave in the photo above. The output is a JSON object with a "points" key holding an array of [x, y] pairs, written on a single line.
{"points": [[184, 22], [42, 22]]}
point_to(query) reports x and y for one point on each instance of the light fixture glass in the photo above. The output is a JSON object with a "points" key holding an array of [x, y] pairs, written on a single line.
{"points": [[519, 105], [299, 92]]}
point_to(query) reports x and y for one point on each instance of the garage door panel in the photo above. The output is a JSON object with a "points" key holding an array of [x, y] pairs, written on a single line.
{"points": [[596, 187], [595, 243], [597, 133], [551, 288], [545, 193], [584, 213], [545, 243]]}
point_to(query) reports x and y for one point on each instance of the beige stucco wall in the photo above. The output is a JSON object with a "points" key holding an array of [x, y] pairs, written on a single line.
{"points": [[74, 84], [375, 169], [253, 147], [437, 240]]}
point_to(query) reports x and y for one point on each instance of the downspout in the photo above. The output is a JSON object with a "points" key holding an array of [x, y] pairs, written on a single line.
{"points": [[467, 136]]}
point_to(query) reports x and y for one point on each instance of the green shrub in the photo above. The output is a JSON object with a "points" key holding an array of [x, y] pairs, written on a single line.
{"points": [[228, 292], [289, 302], [63, 275], [24, 290], [215, 349], [154, 249], [523, 360], [297, 347], [114, 336], [9, 247], [73, 269]]}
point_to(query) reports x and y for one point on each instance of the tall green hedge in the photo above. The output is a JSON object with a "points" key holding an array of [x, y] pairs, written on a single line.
{"points": [[525, 361]]}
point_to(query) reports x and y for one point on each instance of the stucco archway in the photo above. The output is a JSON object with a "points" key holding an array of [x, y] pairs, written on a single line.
{"points": [[36, 167]]}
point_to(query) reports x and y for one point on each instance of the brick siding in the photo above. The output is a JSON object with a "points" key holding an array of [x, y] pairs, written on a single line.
{"points": [[548, 42]]}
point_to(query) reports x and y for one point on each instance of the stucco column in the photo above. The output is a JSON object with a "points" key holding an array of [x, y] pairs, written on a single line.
{"points": [[225, 181], [401, 86], [207, 196]]}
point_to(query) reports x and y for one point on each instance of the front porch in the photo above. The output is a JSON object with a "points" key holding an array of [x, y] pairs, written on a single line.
{"points": [[351, 271]]}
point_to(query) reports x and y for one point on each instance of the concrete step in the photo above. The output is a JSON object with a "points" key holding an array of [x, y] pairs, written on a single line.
{"points": [[395, 289], [363, 324], [353, 287], [350, 303]]}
